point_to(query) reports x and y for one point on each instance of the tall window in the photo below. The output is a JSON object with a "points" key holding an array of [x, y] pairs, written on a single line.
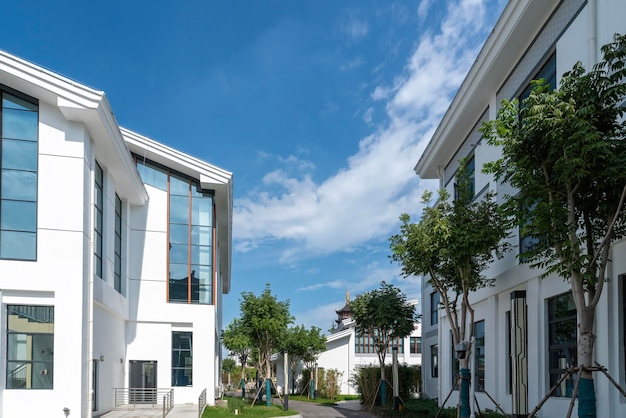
{"points": [[479, 352], [117, 276], [434, 308], [466, 181], [624, 319], [182, 355], [98, 218], [190, 257], [30, 347], [416, 345], [562, 341], [528, 241], [434, 360], [19, 120]]}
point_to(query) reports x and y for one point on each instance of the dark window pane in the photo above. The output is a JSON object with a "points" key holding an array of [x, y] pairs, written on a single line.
{"points": [[19, 216], [19, 185], [179, 210], [19, 155], [18, 245], [12, 102], [19, 124]]}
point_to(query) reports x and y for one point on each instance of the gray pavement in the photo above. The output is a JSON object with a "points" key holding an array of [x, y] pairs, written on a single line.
{"points": [[179, 411], [341, 410]]}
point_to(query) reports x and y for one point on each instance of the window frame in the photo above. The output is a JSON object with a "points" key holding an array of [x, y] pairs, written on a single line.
{"points": [[434, 361], [415, 345], [570, 347], [98, 224], [22, 312], [31, 233], [179, 351], [435, 299], [117, 247]]}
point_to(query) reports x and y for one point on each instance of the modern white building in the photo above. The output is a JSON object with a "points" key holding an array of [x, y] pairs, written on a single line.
{"points": [[346, 351], [115, 251], [532, 39]]}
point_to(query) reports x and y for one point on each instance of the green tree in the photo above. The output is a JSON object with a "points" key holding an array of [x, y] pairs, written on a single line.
{"points": [[564, 152], [265, 320], [304, 345], [451, 246], [384, 315], [228, 366], [236, 340]]}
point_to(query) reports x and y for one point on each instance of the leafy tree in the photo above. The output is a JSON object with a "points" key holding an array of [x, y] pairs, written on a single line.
{"points": [[236, 339], [265, 320], [228, 366], [303, 345], [451, 246], [564, 152], [384, 315]]}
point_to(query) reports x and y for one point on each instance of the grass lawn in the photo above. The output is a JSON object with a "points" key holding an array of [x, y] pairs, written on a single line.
{"points": [[245, 410]]}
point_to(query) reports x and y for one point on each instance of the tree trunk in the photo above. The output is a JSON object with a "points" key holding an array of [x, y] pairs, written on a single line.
{"points": [[383, 386], [464, 393], [586, 341]]}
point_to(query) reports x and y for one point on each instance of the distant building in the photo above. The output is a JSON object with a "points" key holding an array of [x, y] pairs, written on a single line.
{"points": [[532, 39], [115, 251], [346, 351]]}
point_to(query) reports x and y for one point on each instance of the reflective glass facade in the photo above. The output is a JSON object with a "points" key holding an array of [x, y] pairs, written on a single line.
{"points": [[182, 358], [190, 232], [19, 120]]}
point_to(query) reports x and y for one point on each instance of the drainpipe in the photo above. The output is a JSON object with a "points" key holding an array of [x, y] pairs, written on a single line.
{"points": [[90, 285]]}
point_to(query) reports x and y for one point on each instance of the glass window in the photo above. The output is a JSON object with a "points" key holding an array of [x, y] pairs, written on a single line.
{"points": [[367, 345], [182, 355], [416, 345], [18, 178], [118, 245], [467, 176], [434, 308], [624, 319], [434, 360], [30, 347], [152, 175], [562, 342], [98, 218]]}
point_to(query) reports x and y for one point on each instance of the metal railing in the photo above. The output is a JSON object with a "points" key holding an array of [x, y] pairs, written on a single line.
{"points": [[168, 402], [201, 402], [140, 396]]}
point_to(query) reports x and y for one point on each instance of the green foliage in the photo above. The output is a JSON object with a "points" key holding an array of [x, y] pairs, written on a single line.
{"points": [[367, 379], [451, 246], [236, 339], [265, 320], [228, 365], [304, 345], [383, 314], [245, 409], [329, 383], [428, 408]]}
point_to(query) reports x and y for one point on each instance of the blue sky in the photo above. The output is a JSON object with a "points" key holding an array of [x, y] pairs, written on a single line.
{"points": [[320, 108]]}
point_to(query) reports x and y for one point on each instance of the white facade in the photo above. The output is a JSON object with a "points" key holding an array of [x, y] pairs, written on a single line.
{"points": [[528, 36], [98, 324]]}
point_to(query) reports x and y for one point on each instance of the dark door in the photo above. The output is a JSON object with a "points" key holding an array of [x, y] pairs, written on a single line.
{"points": [[143, 382]]}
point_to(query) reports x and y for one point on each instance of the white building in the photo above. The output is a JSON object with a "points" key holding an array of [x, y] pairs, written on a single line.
{"points": [[115, 251], [346, 352], [532, 39]]}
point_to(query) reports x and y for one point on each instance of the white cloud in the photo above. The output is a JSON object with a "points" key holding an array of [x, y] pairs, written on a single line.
{"points": [[422, 9], [368, 115], [362, 201]]}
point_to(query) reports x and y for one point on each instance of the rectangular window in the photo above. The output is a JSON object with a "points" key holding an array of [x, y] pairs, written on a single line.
{"points": [[118, 245], [366, 345], [30, 347], [98, 218], [562, 342], [624, 320], [479, 352], [434, 308], [466, 180], [182, 354], [434, 360], [19, 123], [190, 232], [416, 345]]}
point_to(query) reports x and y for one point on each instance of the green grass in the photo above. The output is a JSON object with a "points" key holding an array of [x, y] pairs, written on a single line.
{"points": [[427, 408], [245, 410]]}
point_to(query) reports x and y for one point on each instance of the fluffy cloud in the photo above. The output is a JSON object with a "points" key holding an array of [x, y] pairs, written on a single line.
{"points": [[362, 201]]}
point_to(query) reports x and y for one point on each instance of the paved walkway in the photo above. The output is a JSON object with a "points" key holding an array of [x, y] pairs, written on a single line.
{"points": [[341, 410], [179, 411]]}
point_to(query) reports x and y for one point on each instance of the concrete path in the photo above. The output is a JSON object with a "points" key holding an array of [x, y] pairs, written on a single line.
{"points": [[179, 411], [341, 410]]}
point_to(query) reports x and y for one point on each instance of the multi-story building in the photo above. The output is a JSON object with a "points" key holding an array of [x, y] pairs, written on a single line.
{"points": [[115, 251], [532, 39]]}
